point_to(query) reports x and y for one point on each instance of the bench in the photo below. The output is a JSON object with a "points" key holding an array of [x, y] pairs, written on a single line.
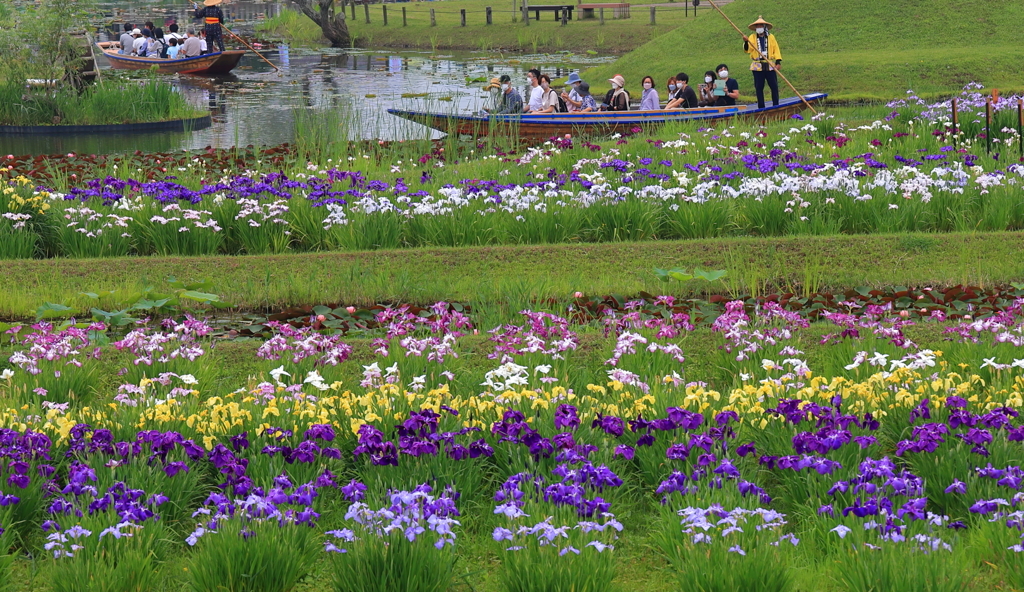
{"points": [[558, 9], [620, 10]]}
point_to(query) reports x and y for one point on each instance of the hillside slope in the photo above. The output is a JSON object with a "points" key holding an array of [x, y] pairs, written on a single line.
{"points": [[852, 49]]}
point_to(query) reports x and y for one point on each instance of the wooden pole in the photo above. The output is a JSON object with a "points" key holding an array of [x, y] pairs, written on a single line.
{"points": [[781, 75], [652, 16], [600, 14], [433, 21], [462, 14], [526, 12], [366, 10], [489, 15], [384, 9], [404, 23], [249, 46], [353, 5], [565, 15]]}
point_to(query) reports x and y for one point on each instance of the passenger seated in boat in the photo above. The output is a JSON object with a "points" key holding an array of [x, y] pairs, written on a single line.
{"points": [[671, 86], [127, 41], [572, 97], [587, 102], [173, 34], [191, 48], [549, 100], [617, 99], [649, 100], [157, 47], [727, 90], [173, 49], [707, 90], [202, 41], [684, 97], [510, 101], [139, 46]]}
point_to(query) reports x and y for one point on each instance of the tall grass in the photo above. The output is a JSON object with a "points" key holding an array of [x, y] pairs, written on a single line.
{"points": [[100, 104]]}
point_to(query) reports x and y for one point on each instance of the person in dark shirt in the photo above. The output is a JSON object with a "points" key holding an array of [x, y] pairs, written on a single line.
{"points": [[684, 97], [511, 101], [728, 87], [212, 17]]}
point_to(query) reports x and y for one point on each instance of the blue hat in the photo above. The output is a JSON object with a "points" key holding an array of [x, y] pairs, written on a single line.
{"points": [[573, 78]]}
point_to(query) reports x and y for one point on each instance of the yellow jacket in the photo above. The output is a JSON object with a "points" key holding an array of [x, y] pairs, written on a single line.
{"points": [[750, 46]]}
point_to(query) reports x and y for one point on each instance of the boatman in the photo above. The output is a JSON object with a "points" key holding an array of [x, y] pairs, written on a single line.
{"points": [[213, 17], [764, 51]]}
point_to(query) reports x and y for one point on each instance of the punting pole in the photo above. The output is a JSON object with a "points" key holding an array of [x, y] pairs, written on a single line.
{"points": [[744, 35], [250, 47]]}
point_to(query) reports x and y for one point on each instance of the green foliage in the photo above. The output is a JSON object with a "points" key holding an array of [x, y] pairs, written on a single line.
{"points": [[900, 568], [146, 301], [109, 564], [682, 275], [258, 557], [392, 564]]}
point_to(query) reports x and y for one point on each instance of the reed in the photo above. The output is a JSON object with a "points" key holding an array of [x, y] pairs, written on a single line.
{"points": [[100, 104]]}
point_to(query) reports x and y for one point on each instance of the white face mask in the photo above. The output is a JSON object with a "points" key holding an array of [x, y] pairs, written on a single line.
{"points": [[708, 79], [723, 74], [505, 87], [760, 30], [647, 85]]}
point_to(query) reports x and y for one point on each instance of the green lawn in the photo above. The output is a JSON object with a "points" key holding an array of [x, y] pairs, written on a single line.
{"points": [[516, 274], [616, 36], [855, 49]]}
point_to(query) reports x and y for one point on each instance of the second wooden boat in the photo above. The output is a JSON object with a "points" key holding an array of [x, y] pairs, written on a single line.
{"points": [[209, 64], [547, 125]]}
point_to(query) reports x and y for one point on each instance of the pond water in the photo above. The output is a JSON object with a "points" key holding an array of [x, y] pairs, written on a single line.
{"points": [[256, 105]]}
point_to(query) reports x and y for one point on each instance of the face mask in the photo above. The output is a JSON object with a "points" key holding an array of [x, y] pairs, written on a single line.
{"points": [[707, 79], [544, 84], [647, 85], [760, 30], [723, 74], [505, 87], [671, 87]]}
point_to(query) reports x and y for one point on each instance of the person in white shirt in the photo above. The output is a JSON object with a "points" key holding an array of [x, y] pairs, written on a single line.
{"points": [[536, 102], [138, 47], [173, 34], [202, 41]]}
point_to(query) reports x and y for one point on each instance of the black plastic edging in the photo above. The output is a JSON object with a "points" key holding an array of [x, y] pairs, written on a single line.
{"points": [[177, 125]]}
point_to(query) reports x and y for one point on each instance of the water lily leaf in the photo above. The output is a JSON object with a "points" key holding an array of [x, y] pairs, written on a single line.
{"points": [[51, 310], [591, 52], [710, 276], [203, 297]]}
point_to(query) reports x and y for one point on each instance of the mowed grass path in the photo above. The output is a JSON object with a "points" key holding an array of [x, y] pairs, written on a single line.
{"points": [[852, 49], [505, 273]]}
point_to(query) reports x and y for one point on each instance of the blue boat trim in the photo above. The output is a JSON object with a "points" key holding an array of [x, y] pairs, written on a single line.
{"points": [[618, 117]]}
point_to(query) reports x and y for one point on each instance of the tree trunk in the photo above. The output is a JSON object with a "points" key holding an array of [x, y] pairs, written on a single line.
{"points": [[330, 22]]}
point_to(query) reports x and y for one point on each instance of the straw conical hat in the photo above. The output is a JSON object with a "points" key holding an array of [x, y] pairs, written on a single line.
{"points": [[760, 21], [211, 2]]}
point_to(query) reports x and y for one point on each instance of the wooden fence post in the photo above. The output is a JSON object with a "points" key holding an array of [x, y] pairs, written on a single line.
{"points": [[353, 5], [526, 12], [433, 21], [366, 9], [600, 13], [488, 15], [652, 16], [565, 14], [403, 17], [462, 13], [384, 8]]}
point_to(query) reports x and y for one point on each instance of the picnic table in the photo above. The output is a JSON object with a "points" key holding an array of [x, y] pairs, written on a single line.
{"points": [[558, 9]]}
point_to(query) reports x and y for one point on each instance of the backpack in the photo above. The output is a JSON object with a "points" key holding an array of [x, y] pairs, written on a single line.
{"points": [[560, 106]]}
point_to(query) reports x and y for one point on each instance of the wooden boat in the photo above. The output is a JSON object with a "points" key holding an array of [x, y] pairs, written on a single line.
{"points": [[546, 125], [221, 62]]}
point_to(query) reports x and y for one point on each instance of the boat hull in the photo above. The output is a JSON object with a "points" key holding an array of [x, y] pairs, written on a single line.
{"points": [[206, 65], [548, 125]]}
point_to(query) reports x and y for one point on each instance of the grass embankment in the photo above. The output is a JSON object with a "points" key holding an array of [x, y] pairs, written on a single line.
{"points": [[518, 274], [505, 34], [854, 50], [100, 104]]}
